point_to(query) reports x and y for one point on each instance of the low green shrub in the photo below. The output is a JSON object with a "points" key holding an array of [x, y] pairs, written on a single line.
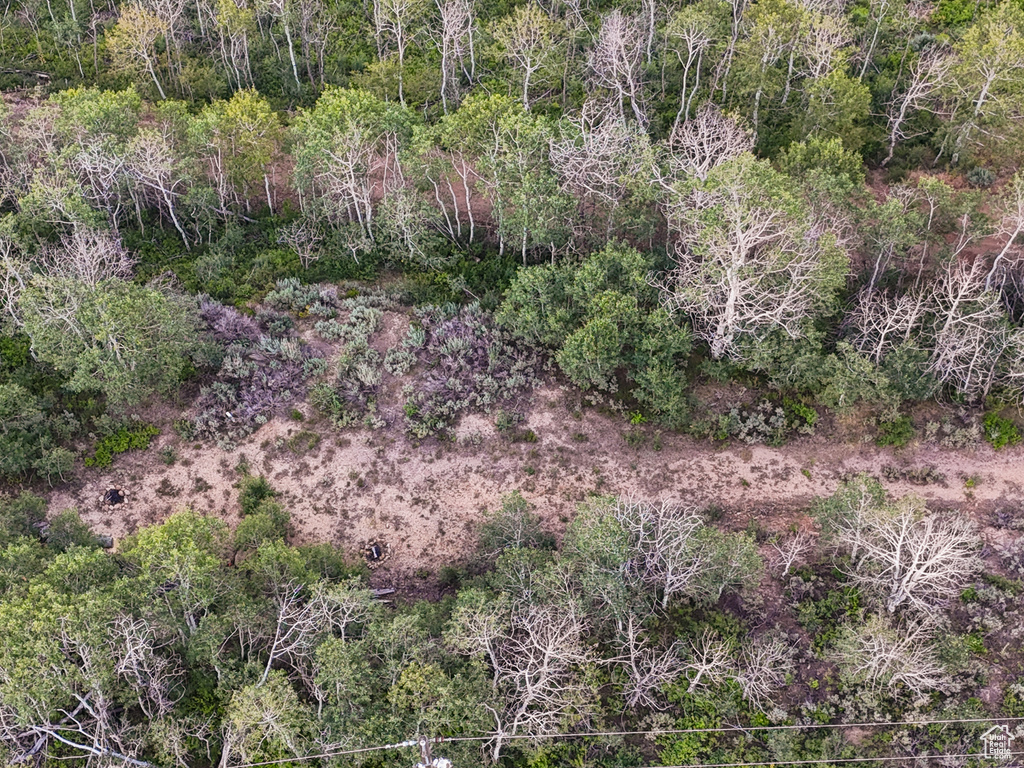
{"points": [[269, 521], [513, 526], [54, 462], [797, 412], [68, 530], [20, 516], [981, 178], [897, 432], [634, 438], [824, 618], [253, 491], [1013, 699], [398, 361], [326, 401], [303, 441], [999, 432], [125, 439], [522, 436]]}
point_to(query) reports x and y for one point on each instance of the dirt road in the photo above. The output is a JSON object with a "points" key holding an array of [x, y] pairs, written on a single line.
{"points": [[424, 501]]}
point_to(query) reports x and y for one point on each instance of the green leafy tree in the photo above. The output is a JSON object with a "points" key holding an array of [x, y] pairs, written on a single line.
{"points": [[343, 143], [985, 87], [133, 44], [253, 491], [268, 522], [20, 516], [528, 40], [750, 260], [344, 684], [180, 561], [603, 319], [123, 339], [397, 25], [428, 699], [837, 107], [21, 423], [829, 155], [87, 115], [265, 722], [68, 530], [758, 72], [530, 208], [599, 549], [693, 35], [239, 140], [56, 652], [454, 149]]}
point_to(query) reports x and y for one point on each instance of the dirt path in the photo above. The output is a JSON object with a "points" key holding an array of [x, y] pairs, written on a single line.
{"points": [[424, 501]]}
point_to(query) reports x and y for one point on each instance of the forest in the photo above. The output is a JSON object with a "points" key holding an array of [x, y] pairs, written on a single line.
{"points": [[724, 224]]}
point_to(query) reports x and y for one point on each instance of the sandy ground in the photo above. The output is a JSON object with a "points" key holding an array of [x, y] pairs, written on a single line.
{"points": [[424, 501]]}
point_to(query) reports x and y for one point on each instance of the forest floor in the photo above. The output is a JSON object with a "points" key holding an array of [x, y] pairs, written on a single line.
{"points": [[424, 501]]}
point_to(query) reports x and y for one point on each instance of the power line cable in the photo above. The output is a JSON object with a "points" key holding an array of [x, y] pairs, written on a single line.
{"points": [[731, 728], [659, 732], [361, 750], [833, 761]]}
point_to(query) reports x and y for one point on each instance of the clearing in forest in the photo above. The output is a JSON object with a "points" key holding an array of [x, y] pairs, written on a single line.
{"points": [[424, 500]]}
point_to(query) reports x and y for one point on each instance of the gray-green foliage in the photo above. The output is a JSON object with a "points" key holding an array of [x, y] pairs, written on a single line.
{"points": [[398, 361], [626, 547], [125, 340], [765, 423], [512, 526], [22, 430], [351, 399], [752, 258], [262, 367], [469, 363], [360, 324], [841, 508], [67, 530], [352, 315], [20, 516], [902, 554]]}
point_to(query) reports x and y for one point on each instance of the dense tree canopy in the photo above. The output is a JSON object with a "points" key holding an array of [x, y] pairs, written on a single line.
{"points": [[193, 647], [733, 219]]}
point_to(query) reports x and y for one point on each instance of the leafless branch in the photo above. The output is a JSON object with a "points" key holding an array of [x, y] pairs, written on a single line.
{"points": [[704, 142], [647, 669], [909, 556]]}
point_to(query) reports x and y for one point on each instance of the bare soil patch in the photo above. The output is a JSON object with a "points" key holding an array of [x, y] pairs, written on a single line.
{"points": [[424, 500]]}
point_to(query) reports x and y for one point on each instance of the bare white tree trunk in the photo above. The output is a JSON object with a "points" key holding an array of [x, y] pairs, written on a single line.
{"points": [[616, 63], [908, 556], [927, 76], [1011, 225]]}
